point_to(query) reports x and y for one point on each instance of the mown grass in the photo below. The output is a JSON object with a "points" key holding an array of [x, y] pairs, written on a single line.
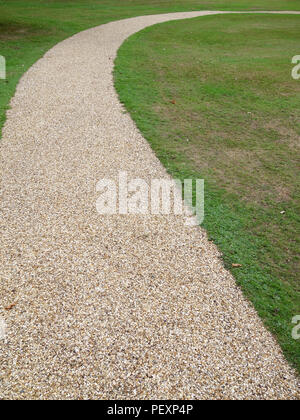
{"points": [[215, 98], [30, 28]]}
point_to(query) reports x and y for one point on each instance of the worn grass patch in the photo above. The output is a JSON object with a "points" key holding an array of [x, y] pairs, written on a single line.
{"points": [[216, 100], [11, 31]]}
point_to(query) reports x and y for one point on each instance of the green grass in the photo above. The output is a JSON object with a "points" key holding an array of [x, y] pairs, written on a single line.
{"points": [[30, 28], [236, 123]]}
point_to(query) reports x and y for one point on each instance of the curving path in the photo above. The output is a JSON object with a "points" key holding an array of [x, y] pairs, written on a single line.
{"points": [[110, 307]]}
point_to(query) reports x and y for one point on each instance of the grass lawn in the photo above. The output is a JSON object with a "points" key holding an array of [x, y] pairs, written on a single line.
{"points": [[215, 98], [29, 28]]}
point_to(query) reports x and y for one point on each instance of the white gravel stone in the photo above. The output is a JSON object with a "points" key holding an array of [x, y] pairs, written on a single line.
{"points": [[110, 306]]}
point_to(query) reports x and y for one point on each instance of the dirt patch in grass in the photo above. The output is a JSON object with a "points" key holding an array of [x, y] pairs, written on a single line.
{"points": [[12, 31], [286, 134]]}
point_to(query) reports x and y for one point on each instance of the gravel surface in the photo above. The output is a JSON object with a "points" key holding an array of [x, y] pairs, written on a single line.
{"points": [[110, 307]]}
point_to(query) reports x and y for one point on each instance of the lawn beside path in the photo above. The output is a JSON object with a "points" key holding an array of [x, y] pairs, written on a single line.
{"points": [[216, 100]]}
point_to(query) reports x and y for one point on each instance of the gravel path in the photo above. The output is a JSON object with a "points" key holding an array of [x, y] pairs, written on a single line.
{"points": [[110, 306]]}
